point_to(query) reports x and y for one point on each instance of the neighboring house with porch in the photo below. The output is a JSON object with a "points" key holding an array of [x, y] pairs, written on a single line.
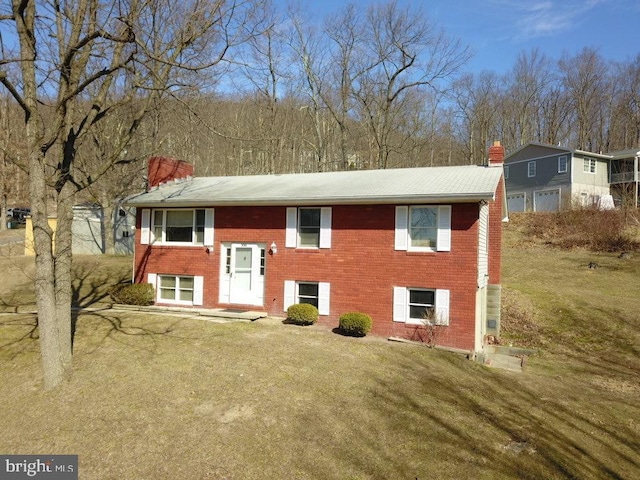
{"points": [[543, 177], [396, 244], [625, 177]]}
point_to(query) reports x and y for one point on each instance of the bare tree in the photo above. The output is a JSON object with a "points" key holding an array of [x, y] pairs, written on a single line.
{"points": [[345, 29], [527, 85], [4, 163], [77, 61], [624, 128], [584, 77], [405, 52], [479, 102], [308, 51]]}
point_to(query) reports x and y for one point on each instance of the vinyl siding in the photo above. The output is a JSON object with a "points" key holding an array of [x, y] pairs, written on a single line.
{"points": [[536, 151], [546, 174], [599, 179]]}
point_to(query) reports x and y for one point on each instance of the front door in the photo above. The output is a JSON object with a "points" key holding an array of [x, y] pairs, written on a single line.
{"points": [[242, 274]]}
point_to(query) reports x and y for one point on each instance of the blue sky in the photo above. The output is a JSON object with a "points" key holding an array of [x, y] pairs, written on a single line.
{"points": [[498, 30]]}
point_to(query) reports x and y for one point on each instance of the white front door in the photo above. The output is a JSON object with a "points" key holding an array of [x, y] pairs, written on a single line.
{"points": [[242, 274]]}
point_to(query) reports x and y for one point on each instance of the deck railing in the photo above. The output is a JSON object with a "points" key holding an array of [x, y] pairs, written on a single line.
{"points": [[622, 177]]}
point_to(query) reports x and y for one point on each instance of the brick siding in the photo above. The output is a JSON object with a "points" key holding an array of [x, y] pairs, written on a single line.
{"points": [[361, 266]]}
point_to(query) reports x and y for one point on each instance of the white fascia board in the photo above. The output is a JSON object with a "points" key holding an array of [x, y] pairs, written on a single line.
{"points": [[392, 200]]}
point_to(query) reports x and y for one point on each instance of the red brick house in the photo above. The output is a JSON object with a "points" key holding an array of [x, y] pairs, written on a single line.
{"points": [[391, 243]]}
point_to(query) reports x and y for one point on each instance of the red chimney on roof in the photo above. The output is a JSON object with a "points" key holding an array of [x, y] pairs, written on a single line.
{"points": [[496, 154], [165, 169]]}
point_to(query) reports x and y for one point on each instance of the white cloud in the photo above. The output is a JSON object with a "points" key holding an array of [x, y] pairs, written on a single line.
{"points": [[543, 18]]}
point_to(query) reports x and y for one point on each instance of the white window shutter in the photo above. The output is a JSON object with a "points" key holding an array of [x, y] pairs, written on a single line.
{"points": [[208, 227], [444, 228], [442, 307], [145, 226], [325, 227], [399, 304], [289, 293], [323, 298], [198, 290], [402, 223], [291, 239], [152, 278]]}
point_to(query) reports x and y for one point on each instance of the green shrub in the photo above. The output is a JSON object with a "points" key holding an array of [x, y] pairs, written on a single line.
{"points": [[302, 314], [136, 294], [355, 323]]}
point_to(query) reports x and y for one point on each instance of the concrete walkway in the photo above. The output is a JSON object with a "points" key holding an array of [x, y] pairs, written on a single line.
{"points": [[210, 314], [206, 313]]}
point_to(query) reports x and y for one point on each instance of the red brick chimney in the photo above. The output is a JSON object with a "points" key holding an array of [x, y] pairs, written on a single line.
{"points": [[496, 154], [165, 169]]}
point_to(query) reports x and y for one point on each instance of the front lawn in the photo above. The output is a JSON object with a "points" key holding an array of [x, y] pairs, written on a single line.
{"points": [[173, 397]]}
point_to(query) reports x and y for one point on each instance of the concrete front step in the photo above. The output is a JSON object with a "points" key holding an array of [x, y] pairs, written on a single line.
{"points": [[505, 362], [506, 357]]}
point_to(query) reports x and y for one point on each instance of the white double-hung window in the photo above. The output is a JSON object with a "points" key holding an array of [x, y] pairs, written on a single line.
{"points": [[314, 293], [177, 289], [423, 228], [562, 164], [421, 306], [177, 226], [589, 165], [308, 227]]}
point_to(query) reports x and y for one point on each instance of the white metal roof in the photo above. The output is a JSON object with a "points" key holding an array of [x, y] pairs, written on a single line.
{"points": [[392, 186]]}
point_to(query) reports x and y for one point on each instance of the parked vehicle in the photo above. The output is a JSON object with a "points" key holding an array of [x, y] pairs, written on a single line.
{"points": [[18, 215]]}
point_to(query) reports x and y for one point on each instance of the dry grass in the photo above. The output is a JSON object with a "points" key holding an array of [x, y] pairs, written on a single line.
{"points": [[589, 228], [174, 397]]}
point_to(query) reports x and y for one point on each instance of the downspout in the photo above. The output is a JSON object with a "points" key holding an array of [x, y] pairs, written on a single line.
{"points": [[635, 180]]}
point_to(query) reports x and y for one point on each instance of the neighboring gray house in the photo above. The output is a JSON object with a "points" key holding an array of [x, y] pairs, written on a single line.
{"points": [[88, 235], [543, 177]]}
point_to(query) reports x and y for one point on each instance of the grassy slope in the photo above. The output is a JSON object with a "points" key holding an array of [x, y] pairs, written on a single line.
{"points": [[182, 398]]}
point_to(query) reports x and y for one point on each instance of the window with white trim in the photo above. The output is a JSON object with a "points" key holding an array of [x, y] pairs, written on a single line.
{"points": [[421, 306], [589, 165], [423, 228], [307, 293], [177, 226], [308, 227], [562, 164], [177, 289], [314, 293], [531, 169]]}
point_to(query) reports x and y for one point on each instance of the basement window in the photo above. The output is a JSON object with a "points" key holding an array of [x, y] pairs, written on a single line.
{"points": [[176, 289]]}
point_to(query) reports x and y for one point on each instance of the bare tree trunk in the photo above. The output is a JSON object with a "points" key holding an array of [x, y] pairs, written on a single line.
{"points": [[55, 360], [108, 217], [63, 257], [4, 174]]}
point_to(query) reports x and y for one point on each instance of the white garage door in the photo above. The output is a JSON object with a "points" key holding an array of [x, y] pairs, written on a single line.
{"points": [[547, 201], [515, 202]]}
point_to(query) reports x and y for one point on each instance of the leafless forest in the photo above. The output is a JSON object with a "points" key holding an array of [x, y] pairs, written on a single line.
{"points": [[380, 88]]}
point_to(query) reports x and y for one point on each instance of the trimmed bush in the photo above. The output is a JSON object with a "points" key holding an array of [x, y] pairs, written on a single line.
{"points": [[355, 323], [137, 294], [302, 314]]}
